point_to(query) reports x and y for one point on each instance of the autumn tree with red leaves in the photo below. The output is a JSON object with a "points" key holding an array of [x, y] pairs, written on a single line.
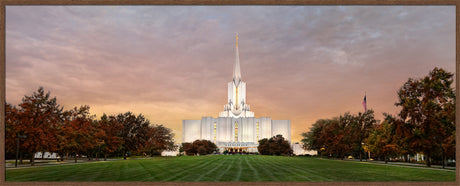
{"points": [[428, 107], [39, 118], [159, 138], [107, 137], [50, 129], [11, 125]]}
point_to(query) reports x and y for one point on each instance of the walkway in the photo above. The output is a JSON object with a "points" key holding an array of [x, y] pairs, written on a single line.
{"points": [[405, 164], [39, 163]]}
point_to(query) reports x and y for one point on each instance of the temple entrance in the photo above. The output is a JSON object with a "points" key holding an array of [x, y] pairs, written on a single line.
{"points": [[237, 149]]}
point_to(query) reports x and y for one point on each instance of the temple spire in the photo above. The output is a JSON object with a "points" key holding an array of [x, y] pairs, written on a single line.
{"points": [[236, 69]]}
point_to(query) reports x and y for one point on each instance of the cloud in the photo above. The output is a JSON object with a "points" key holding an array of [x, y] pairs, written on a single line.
{"points": [[173, 62]]}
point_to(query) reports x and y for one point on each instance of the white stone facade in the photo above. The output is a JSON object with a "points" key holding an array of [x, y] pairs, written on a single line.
{"points": [[236, 128], [235, 133]]}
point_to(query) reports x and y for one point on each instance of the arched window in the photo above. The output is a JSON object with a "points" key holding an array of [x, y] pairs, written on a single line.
{"points": [[236, 132], [215, 132], [257, 131]]}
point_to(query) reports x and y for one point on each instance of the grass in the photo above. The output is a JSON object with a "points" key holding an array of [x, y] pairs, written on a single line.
{"points": [[227, 168]]}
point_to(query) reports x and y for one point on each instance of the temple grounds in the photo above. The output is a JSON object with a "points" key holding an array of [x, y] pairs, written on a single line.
{"points": [[228, 168]]}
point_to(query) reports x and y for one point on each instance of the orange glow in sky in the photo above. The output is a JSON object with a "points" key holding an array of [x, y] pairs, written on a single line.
{"points": [[170, 63]]}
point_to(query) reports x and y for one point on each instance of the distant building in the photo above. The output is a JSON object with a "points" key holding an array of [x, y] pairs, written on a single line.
{"points": [[170, 153], [236, 129], [46, 155], [298, 150]]}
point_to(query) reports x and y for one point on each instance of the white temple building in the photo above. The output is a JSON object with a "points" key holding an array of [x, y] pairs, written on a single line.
{"points": [[236, 129]]}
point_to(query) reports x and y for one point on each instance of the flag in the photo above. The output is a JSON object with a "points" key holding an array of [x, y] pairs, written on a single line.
{"points": [[365, 104]]}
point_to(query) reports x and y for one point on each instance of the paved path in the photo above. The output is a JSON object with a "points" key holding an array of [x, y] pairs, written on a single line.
{"points": [[405, 164], [39, 163]]}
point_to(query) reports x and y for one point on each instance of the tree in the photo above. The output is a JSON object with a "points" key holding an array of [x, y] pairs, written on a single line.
{"points": [[428, 107], [381, 141], [39, 118], [359, 129], [188, 148], [311, 139], [264, 146], [340, 136], [134, 132], [327, 135], [404, 137], [276, 145], [202, 147], [11, 125], [107, 137], [160, 139], [78, 132], [10, 132]]}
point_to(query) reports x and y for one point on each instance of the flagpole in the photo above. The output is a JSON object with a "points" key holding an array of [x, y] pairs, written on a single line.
{"points": [[365, 102]]}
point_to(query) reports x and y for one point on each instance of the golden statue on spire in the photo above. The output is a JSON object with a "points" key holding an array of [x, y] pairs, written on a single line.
{"points": [[237, 39]]}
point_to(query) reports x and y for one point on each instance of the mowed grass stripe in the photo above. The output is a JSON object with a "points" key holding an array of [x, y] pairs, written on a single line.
{"points": [[192, 170], [256, 176], [110, 169], [292, 174], [239, 168], [260, 164], [274, 164], [211, 172], [295, 168], [312, 175], [228, 168], [167, 168]]}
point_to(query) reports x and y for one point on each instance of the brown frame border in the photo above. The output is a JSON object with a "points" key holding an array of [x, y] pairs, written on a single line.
{"points": [[5, 3]]}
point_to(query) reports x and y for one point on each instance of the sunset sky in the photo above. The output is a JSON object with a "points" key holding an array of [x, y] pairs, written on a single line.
{"points": [[170, 63]]}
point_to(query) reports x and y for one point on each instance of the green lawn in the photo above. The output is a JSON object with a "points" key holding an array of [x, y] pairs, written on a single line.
{"points": [[228, 168]]}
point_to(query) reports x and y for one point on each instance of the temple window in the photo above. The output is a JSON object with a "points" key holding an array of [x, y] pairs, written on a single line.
{"points": [[236, 132]]}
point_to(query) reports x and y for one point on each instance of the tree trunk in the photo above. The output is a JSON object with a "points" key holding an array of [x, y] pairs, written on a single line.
{"points": [[32, 159], [360, 157], [386, 159], [105, 157], [443, 157], [21, 156], [428, 161], [75, 158], [67, 156]]}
